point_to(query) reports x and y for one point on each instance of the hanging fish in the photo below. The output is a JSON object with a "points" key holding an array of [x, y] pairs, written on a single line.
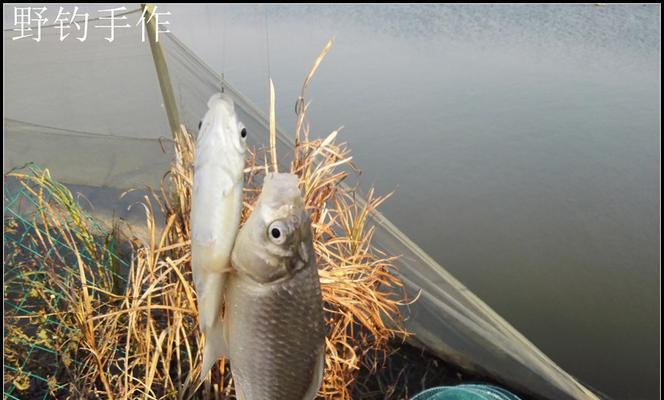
{"points": [[274, 324], [215, 215]]}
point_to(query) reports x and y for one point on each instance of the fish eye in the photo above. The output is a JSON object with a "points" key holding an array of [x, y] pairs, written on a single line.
{"points": [[277, 232], [243, 133], [199, 124]]}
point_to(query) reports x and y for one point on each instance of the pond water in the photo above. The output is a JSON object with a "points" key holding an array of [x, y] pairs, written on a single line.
{"points": [[522, 142]]}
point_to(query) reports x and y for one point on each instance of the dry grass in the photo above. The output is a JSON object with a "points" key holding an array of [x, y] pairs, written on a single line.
{"points": [[142, 340]]}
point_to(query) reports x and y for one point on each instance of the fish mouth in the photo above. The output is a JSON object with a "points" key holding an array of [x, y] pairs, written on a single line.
{"points": [[282, 187], [222, 98]]}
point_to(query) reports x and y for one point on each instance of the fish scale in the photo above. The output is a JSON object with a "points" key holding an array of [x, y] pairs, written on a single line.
{"points": [[278, 359]]}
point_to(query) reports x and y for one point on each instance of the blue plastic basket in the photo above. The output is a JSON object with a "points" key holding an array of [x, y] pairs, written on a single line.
{"points": [[466, 392]]}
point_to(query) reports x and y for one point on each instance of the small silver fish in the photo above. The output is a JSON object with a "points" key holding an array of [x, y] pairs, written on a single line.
{"points": [[274, 326], [215, 215]]}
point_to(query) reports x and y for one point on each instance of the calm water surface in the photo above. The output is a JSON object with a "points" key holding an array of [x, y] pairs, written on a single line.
{"points": [[523, 142]]}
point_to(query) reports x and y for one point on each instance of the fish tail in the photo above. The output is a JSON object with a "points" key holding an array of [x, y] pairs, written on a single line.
{"points": [[215, 346], [210, 303]]}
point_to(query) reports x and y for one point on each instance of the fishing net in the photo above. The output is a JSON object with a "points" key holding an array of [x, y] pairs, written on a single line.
{"points": [[51, 245]]}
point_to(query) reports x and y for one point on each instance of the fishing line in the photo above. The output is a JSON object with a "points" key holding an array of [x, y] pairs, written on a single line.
{"points": [[267, 48], [223, 42], [223, 47]]}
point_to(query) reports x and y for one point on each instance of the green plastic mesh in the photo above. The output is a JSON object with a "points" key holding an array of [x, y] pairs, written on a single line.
{"points": [[50, 243]]}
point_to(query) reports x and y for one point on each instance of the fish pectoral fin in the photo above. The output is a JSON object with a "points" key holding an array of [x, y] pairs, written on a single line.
{"points": [[210, 288], [210, 303], [215, 346], [226, 184]]}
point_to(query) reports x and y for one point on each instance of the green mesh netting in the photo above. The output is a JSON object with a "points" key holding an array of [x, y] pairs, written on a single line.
{"points": [[50, 244]]}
